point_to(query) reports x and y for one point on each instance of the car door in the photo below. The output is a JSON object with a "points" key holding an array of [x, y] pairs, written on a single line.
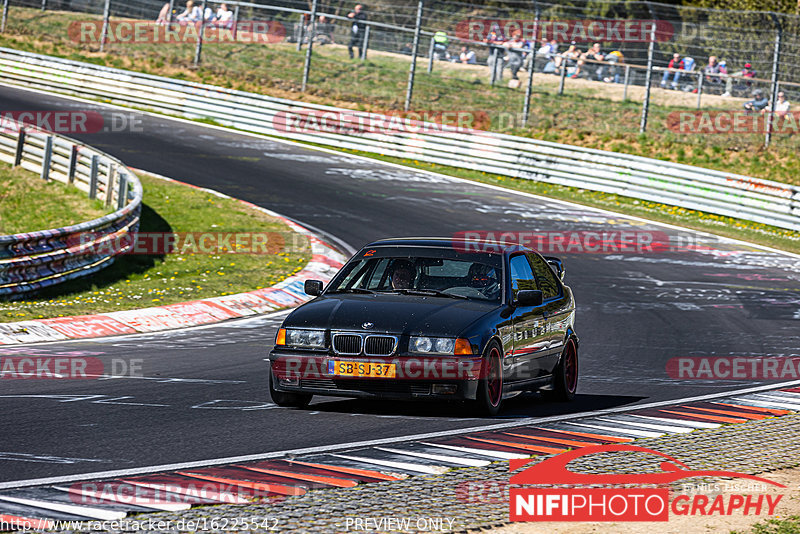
{"points": [[528, 321], [555, 312]]}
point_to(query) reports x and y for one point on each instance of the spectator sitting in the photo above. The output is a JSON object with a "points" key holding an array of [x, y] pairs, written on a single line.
{"points": [[163, 15], [675, 65], [746, 72], [592, 54], [781, 105], [467, 56], [614, 58], [758, 103], [193, 13], [323, 31], [406, 49], [209, 15], [440, 43], [516, 48], [545, 53], [710, 70], [568, 58]]}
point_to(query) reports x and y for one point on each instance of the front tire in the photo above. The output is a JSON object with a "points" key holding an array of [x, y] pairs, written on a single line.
{"points": [[490, 386], [565, 377], [286, 399]]}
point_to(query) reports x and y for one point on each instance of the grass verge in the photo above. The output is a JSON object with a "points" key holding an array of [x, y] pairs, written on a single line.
{"points": [[789, 525], [588, 114], [138, 281], [56, 204]]}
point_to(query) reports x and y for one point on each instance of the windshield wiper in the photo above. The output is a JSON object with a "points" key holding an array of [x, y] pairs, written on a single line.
{"points": [[429, 292], [353, 290]]}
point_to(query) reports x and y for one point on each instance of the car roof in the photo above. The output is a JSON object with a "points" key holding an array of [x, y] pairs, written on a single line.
{"points": [[447, 242]]}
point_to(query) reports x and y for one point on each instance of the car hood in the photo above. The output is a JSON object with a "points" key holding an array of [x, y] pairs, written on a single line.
{"points": [[390, 313]]}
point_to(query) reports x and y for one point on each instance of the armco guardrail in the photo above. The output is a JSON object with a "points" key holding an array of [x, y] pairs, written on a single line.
{"points": [[716, 192], [34, 260]]}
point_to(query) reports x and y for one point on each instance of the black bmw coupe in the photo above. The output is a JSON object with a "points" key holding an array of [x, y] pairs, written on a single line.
{"points": [[431, 318]]}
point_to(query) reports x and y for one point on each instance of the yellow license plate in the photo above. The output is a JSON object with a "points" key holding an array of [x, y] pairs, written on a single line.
{"points": [[361, 369]]}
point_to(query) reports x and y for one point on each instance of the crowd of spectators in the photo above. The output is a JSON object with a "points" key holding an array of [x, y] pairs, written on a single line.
{"points": [[222, 17]]}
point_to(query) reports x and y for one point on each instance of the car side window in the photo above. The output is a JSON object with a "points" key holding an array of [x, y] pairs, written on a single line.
{"points": [[521, 275], [544, 277]]}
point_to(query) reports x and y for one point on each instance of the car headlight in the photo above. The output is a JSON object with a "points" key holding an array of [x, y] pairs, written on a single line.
{"points": [[311, 339], [433, 345]]}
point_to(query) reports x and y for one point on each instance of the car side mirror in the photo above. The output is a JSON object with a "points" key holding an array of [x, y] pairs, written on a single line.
{"points": [[313, 287], [529, 297], [557, 265]]}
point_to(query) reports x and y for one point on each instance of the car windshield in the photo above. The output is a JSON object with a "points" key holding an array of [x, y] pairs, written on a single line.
{"points": [[445, 277]]}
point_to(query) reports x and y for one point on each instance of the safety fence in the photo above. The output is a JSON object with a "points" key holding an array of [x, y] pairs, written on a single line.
{"points": [[711, 191], [35, 260]]}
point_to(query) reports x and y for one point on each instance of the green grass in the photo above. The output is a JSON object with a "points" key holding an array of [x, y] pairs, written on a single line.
{"points": [[137, 281], [585, 115], [790, 525], [56, 204]]}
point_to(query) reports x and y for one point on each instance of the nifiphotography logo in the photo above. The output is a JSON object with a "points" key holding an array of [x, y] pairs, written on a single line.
{"points": [[604, 501]]}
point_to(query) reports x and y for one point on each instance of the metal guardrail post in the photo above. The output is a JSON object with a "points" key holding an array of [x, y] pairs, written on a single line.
{"points": [[648, 78], [307, 61], [494, 54], [563, 76], [48, 156], [235, 21], [700, 78], [526, 106], [171, 8], [93, 169], [5, 16], [776, 58], [112, 171], [430, 56], [122, 192], [198, 50], [627, 78], [365, 44], [44, 5], [73, 164], [20, 147], [412, 69], [302, 34], [104, 31]]}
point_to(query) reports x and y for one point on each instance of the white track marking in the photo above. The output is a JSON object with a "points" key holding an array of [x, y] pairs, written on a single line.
{"points": [[662, 428], [617, 430], [439, 458], [692, 424], [419, 468], [497, 455], [109, 496], [83, 511]]}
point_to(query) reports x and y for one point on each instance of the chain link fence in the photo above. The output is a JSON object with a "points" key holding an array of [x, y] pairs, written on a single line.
{"points": [[441, 56]]}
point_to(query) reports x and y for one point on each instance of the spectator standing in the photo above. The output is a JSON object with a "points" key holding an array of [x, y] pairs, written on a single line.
{"points": [[675, 66], [357, 30], [467, 56], [515, 50]]}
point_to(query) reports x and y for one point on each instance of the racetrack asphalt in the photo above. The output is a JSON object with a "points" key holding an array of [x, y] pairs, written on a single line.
{"points": [[204, 392]]}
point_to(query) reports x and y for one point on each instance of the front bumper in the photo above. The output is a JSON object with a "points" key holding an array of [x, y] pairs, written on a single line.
{"points": [[417, 377]]}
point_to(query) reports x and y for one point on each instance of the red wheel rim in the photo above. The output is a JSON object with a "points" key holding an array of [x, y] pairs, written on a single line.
{"points": [[571, 367], [494, 378]]}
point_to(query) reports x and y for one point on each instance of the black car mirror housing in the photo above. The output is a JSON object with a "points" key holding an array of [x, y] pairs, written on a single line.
{"points": [[313, 287], [529, 297]]}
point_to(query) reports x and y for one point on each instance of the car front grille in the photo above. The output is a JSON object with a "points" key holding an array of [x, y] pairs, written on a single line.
{"points": [[379, 345], [347, 343], [375, 386]]}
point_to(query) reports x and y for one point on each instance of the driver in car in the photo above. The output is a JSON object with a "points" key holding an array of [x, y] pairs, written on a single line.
{"points": [[403, 274]]}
